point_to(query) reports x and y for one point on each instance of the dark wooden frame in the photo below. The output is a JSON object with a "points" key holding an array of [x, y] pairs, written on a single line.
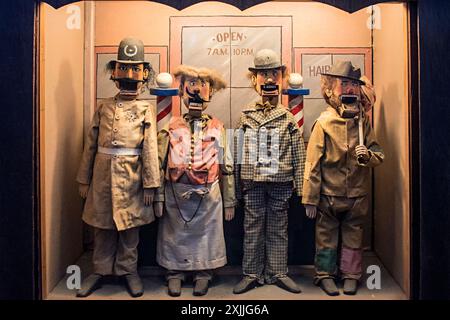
{"points": [[430, 150]]}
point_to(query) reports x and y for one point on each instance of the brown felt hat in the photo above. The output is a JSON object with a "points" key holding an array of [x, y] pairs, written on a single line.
{"points": [[345, 69]]}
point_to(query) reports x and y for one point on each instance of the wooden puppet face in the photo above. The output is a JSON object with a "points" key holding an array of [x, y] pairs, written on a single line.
{"points": [[346, 86], [129, 77], [345, 97], [196, 92], [268, 82]]}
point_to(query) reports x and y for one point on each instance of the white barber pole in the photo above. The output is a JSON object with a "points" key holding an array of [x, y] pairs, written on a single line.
{"points": [[295, 96], [164, 94]]}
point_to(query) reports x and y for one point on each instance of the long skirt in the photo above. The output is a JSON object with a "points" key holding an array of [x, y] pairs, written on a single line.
{"points": [[190, 235]]}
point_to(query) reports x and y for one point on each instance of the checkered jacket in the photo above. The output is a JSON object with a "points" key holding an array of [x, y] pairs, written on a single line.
{"points": [[268, 147]]}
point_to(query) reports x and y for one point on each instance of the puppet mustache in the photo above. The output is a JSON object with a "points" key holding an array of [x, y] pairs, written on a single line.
{"points": [[269, 87], [127, 83], [349, 99], [195, 97]]}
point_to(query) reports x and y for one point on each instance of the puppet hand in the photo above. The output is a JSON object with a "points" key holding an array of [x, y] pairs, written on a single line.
{"points": [[229, 213], [148, 196], [362, 154], [311, 211], [83, 190], [158, 207]]}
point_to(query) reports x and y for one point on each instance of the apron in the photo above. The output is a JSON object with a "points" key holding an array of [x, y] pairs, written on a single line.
{"points": [[195, 240]]}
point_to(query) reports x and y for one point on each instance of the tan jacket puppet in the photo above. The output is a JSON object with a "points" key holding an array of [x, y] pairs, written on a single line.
{"points": [[341, 151], [119, 171]]}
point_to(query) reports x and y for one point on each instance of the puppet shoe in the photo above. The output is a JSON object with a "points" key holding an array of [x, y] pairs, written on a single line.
{"points": [[288, 284], [246, 284], [89, 285], [329, 287], [350, 286], [174, 287], [134, 285], [201, 287]]}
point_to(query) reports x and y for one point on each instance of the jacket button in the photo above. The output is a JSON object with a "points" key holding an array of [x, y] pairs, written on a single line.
{"points": [[120, 104], [115, 142], [117, 117], [115, 130]]}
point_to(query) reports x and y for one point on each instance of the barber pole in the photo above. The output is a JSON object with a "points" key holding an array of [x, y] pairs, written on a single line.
{"points": [[295, 94], [164, 94]]}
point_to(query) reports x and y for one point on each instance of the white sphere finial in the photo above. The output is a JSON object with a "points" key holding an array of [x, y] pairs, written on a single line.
{"points": [[164, 80], [295, 80]]}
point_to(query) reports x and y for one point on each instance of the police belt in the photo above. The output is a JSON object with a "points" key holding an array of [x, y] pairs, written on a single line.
{"points": [[120, 151]]}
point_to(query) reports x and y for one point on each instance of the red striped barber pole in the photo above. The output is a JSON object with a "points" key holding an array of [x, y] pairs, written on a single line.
{"points": [[164, 96], [296, 108], [296, 93], [164, 110]]}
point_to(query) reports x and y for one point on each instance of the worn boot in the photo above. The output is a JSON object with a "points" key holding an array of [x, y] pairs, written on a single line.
{"points": [[350, 286], [288, 284], [201, 287], [134, 285], [174, 287], [89, 285], [329, 286], [246, 284]]}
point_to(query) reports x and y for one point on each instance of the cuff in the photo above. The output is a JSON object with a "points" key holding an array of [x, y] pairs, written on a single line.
{"points": [[229, 204]]}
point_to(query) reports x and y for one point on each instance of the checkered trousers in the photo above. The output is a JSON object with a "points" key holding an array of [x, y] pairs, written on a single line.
{"points": [[266, 229]]}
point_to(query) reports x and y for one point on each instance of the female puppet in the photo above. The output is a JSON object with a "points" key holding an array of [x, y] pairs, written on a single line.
{"points": [[341, 151], [119, 171], [198, 187]]}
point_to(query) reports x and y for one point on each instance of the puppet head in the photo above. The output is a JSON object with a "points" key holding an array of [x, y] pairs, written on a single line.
{"points": [[341, 88], [197, 86], [130, 72], [268, 74]]}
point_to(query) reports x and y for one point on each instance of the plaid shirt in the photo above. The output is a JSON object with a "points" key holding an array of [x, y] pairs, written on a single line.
{"points": [[269, 147]]}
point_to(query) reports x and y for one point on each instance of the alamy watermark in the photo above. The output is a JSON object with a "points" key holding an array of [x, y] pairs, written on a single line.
{"points": [[374, 20], [73, 281], [73, 21]]}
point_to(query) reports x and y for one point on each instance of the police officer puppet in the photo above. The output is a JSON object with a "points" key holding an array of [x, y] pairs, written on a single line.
{"points": [[119, 171], [341, 151]]}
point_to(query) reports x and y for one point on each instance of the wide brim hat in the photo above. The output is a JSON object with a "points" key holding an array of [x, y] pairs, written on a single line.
{"points": [[346, 70], [131, 51], [266, 59]]}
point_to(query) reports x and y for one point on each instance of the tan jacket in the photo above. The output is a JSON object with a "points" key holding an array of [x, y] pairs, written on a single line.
{"points": [[331, 166], [115, 197], [226, 176]]}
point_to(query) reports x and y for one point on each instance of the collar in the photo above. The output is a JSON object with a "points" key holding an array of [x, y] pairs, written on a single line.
{"points": [[265, 107], [190, 119], [117, 98]]}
